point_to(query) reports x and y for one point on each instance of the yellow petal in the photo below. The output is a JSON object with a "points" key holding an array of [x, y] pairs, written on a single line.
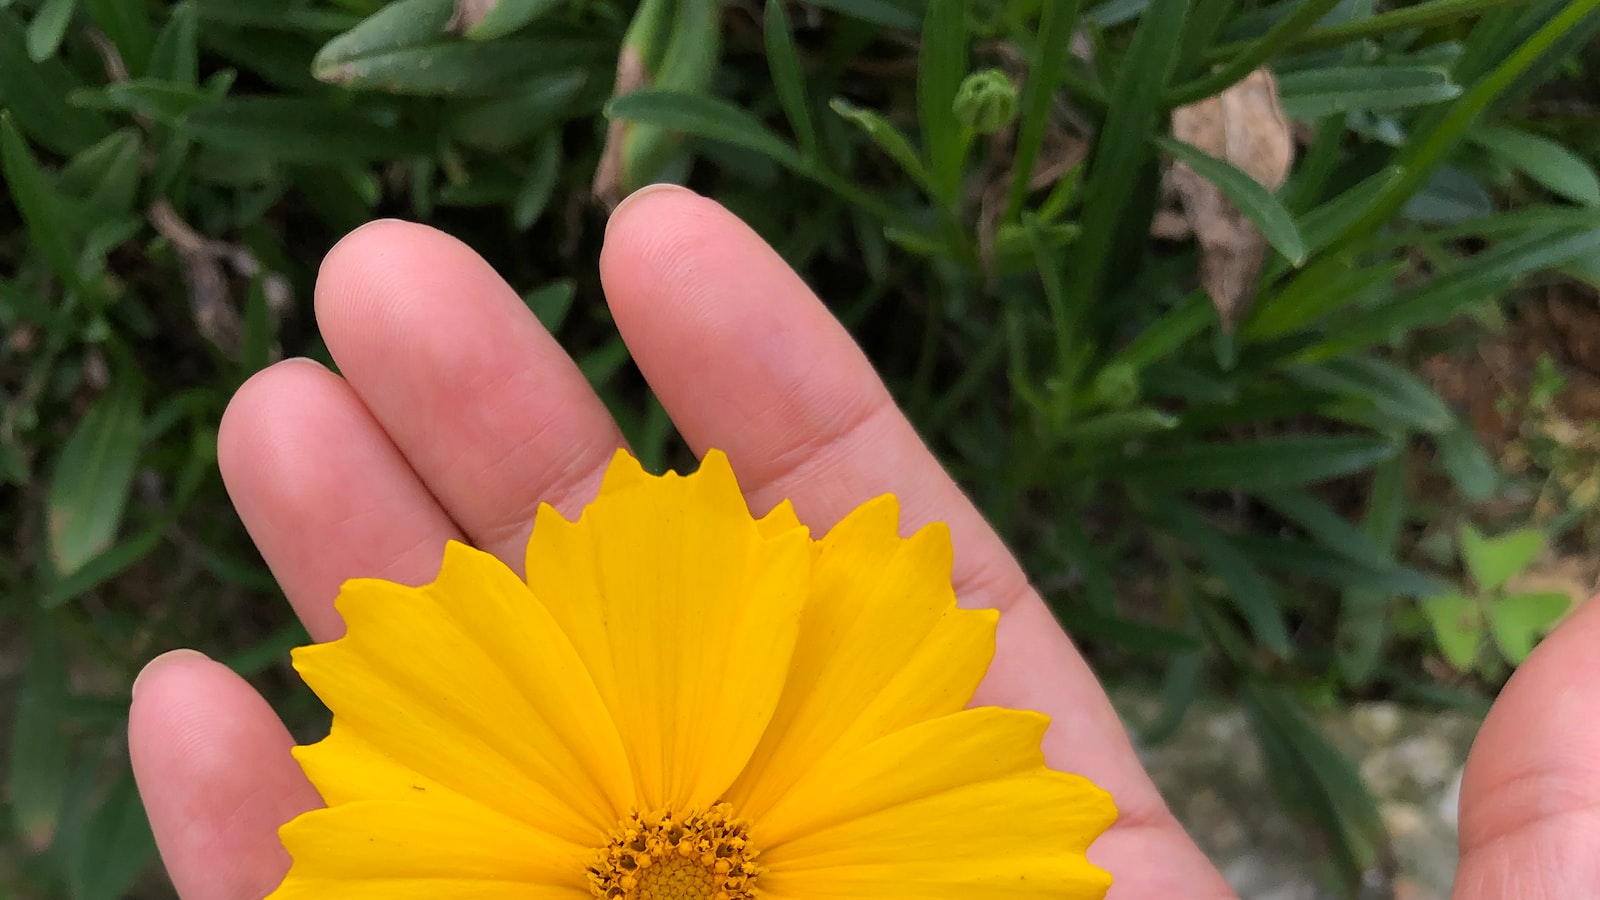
{"points": [[881, 644], [1018, 836], [685, 613], [469, 682], [425, 848], [928, 758]]}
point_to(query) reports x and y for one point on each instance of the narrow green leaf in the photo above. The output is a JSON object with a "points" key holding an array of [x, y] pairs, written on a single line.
{"points": [[43, 209], [1516, 622], [552, 302], [37, 770], [1312, 561], [1393, 391], [1132, 635], [1328, 284], [941, 65], [877, 12], [1121, 425], [92, 477], [544, 172], [1261, 465], [176, 57], [788, 78], [129, 28], [300, 130], [105, 177], [1322, 225], [1047, 66], [34, 93], [164, 101], [1161, 338], [1250, 196], [1476, 278], [507, 16], [102, 568], [395, 26], [887, 137], [116, 847], [1314, 93], [1363, 611], [1123, 149], [1250, 591], [535, 106], [460, 68], [1543, 160], [1467, 462], [706, 117], [48, 27], [1495, 561]]}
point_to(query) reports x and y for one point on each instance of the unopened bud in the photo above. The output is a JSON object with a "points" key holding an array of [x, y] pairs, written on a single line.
{"points": [[986, 101]]}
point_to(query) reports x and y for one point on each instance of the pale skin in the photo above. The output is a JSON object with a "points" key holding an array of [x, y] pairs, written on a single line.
{"points": [[457, 414]]}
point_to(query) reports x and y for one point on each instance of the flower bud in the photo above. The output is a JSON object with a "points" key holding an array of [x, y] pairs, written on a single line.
{"points": [[986, 101]]}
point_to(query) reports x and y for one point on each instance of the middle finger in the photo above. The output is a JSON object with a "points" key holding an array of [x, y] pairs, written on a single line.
{"points": [[489, 411]]}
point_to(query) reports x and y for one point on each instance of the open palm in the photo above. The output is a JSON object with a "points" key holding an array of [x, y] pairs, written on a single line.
{"points": [[457, 414]]}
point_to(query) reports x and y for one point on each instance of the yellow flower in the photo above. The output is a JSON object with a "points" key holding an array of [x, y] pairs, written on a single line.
{"points": [[681, 703]]}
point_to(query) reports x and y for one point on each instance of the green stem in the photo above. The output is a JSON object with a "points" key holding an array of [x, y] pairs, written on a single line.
{"points": [[1426, 151], [1254, 54], [1422, 15]]}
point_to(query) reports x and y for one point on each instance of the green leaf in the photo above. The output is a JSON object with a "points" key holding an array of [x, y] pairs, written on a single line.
{"points": [[34, 93], [1314, 93], [404, 49], [129, 28], [788, 78], [45, 212], [506, 16], [1516, 622], [1163, 337], [105, 177], [1467, 462], [1321, 226], [37, 771], [48, 27], [1457, 626], [1261, 465], [300, 130], [102, 568], [551, 303], [1543, 160], [1121, 161], [1495, 561], [92, 477], [1393, 391], [543, 172], [1314, 779], [1363, 619], [705, 117], [876, 12], [1477, 277], [1250, 196], [941, 65], [176, 57], [115, 848], [163, 101], [1250, 591], [887, 137], [535, 106]]}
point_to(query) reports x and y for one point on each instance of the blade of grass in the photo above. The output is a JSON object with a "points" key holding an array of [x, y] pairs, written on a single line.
{"points": [[1252, 55], [788, 78], [941, 65]]}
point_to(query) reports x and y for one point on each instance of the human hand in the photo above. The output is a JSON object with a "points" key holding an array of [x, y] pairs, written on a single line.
{"points": [[457, 415]]}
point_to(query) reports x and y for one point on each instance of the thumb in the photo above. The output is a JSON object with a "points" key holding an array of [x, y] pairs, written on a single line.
{"points": [[1530, 800]]}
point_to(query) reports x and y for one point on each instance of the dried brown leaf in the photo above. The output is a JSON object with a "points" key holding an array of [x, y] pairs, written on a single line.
{"points": [[1244, 125], [608, 175]]}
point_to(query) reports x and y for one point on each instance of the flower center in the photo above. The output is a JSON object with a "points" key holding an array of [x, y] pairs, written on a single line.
{"points": [[699, 856]]}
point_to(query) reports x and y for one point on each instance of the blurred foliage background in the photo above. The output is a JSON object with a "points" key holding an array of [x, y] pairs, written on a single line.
{"points": [[1258, 328]]}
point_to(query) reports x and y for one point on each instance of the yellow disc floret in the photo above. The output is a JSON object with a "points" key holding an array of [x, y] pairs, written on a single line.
{"points": [[662, 856]]}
